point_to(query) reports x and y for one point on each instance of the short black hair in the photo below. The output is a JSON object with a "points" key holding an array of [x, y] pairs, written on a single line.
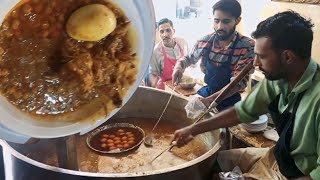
{"points": [[165, 20], [232, 7], [287, 30]]}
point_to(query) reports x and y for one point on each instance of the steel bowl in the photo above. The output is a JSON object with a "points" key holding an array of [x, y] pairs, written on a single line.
{"points": [[115, 125], [187, 82]]}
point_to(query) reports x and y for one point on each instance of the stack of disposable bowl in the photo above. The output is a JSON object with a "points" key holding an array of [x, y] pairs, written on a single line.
{"points": [[256, 126]]}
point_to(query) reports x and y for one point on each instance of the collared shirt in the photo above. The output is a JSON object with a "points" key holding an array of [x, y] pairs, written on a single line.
{"points": [[242, 54], [305, 141], [157, 61]]}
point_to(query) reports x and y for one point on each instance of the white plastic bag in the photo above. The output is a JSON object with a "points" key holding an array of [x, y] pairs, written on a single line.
{"points": [[235, 174], [195, 107]]}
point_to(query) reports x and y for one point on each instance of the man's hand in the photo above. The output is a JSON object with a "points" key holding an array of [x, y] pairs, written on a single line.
{"points": [[159, 85], [153, 80], [177, 73], [183, 136], [176, 76], [206, 101]]}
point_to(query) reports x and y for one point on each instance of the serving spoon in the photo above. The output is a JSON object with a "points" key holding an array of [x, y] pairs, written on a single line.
{"points": [[149, 138]]}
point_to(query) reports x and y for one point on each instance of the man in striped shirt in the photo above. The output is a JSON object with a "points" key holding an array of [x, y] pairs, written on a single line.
{"points": [[223, 54]]}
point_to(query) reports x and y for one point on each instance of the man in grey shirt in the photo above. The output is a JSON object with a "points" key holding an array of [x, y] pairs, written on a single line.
{"points": [[165, 54]]}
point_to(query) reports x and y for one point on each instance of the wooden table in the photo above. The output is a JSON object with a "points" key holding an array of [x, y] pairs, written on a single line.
{"points": [[185, 92], [250, 139]]}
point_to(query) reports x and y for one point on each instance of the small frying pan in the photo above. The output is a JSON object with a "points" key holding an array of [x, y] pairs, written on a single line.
{"points": [[93, 139]]}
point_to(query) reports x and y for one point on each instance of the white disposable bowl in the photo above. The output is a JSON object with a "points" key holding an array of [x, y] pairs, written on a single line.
{"points": [[141, 14], [256, 126]]}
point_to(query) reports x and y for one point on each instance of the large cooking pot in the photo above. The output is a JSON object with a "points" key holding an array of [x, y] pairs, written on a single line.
{"points": [[146, 103]]}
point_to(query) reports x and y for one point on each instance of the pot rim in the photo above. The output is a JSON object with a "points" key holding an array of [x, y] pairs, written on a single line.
{"points": [[30, 161]]}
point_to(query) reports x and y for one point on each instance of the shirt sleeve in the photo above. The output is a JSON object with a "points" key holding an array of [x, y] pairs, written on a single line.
{"points": [[155, 66], [183, 44], [185, 47], [191, 58], [315, 173], [257, 102], [243, 61]]}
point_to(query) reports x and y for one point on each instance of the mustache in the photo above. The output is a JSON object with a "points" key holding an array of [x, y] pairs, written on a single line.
{"points": [[166, 38], [220, 31]]}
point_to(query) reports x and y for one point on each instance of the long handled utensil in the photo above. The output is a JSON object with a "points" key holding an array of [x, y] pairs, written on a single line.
{"points": [[149, 138], [214, 104], [226, 90], [165, 150]]}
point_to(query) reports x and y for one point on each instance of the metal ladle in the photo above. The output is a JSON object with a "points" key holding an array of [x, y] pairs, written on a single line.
{"points": [[149, 138]]}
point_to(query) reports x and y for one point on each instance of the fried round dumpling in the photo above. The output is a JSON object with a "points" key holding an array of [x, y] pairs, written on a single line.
{"points": [[91, 23]]}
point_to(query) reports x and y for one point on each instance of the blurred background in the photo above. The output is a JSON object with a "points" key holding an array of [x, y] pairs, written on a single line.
{"points": [[192, 18]]}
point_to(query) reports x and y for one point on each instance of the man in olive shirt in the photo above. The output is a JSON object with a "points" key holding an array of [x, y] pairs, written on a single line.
{"points": [[290, 93]]}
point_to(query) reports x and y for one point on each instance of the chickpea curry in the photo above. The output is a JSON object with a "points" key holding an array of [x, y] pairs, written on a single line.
{"points": [[45, 72]]}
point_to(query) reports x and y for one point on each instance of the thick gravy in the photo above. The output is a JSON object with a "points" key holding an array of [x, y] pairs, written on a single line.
{"points": [[137, 161], [44, 72]]}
